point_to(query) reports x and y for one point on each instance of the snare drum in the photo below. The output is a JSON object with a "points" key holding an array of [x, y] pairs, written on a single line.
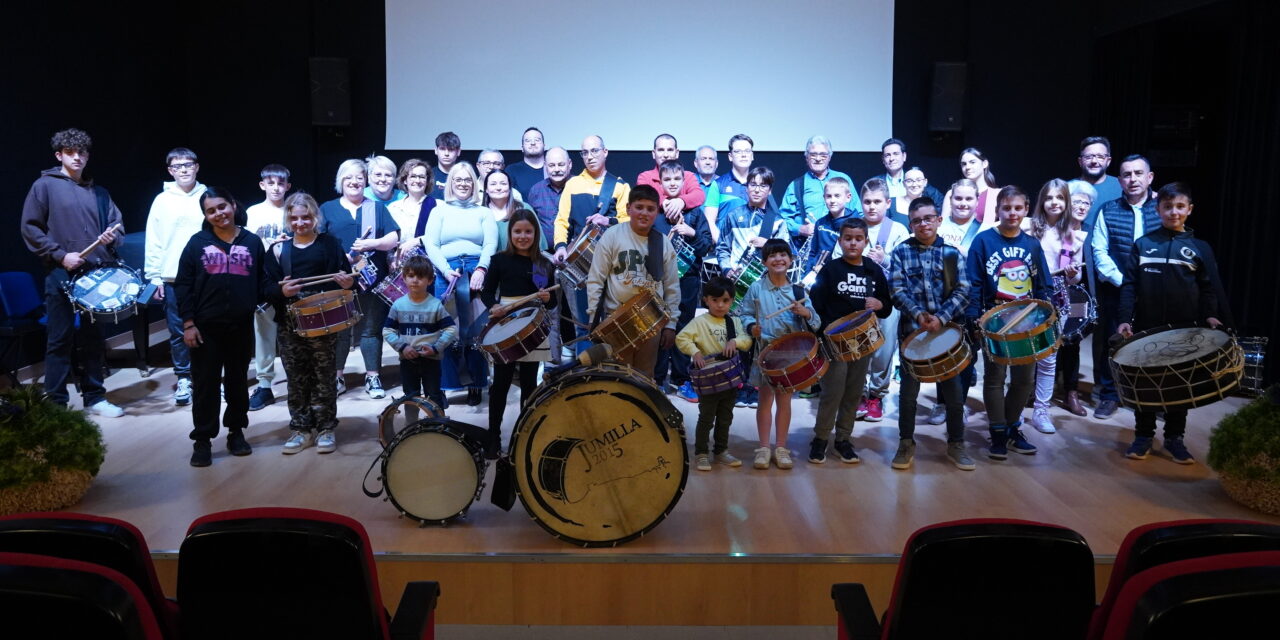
{"points": [[599, 456], [854, 336], [109, 294], [1176, 367], [391, 288], [324, 313], [1020, 331], [517, 335], [434, 469], [630, 325], [685, 258], [937, 356], [793, 361], [403, 412], [718, 376], [751, 271], [1077, 311], [577, 262]]}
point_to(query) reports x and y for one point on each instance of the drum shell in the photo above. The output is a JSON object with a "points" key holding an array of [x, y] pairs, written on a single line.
{"points": [[717, 377], [860, 338], [391, 288], [942, 367], [520, 344], [548, 451], [751, 271], [425, 407], [106, 293], [1022, 347], [631, 324], [324, 313], [1181, 385], [799, 374], [577, 262], [434, 491]]}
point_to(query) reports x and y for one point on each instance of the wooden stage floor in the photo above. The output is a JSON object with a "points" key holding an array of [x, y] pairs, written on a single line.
{"points": [[808, 526]]}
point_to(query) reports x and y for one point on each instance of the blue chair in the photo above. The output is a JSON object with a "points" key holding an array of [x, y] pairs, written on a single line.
{"points": [[24, 315]]}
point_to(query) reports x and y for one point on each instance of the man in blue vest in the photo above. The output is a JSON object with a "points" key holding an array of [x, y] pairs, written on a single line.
{"points": [[1120, 223]]}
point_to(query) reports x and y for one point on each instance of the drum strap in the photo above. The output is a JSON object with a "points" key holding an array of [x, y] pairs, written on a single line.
{"points": [[882, 238], [970, 234], [368, 216], [606, 193], [104, 215], [797, 188], [950, 275], [364, 484], [770, 217], [286, 258]]}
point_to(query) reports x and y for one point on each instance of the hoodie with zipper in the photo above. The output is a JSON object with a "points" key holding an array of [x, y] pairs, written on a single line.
{"points": [[175, 216], [1171, 278], [222, 282]]}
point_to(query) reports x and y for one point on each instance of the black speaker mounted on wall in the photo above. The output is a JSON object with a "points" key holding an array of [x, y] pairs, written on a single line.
{"points": [[330, 92], [946, 96]]}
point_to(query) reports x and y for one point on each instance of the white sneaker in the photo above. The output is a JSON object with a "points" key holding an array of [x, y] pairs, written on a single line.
{"points": [[182, 394], [325, 442], [298, 440], [703, 462], [762, 458], [373, 386], [727, 459], [340, 385], [1041, 421], [106, 409], [938, 415], [782, 457]]}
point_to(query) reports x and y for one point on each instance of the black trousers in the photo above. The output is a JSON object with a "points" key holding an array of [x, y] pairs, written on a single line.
{"points": [[671, 359], [223, 357], [421, 377]]}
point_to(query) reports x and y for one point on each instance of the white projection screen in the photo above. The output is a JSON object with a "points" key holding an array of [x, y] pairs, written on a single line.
{"points": [[702, 70]]}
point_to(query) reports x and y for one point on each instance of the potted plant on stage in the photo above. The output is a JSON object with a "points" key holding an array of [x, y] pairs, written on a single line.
{"points": [[49, 454], [1245, 451]]}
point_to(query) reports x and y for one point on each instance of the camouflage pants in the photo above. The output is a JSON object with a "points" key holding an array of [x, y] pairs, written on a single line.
{"points": [[309, 364]]}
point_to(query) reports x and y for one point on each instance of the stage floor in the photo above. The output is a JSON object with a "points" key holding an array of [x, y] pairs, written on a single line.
{"points": [[776, 539]]}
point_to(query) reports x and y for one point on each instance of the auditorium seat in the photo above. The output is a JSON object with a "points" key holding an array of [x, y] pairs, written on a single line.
{"points": [[1158, 543], [290, 573], [23, 316], [48, 597], [1224, 596], [114, 544], [989, 579]]}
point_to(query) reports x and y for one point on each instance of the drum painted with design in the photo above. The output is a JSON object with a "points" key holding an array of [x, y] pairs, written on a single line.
{"points": [[854, 336], [599, 456], [108, 294], [577, 262], [1020, 331], [1077, 311], [936, 356], [1176, 367], [752, 269], [391, 288], [434, 469]]}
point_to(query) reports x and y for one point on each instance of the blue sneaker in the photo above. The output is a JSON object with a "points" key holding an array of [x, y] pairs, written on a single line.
{"points": [[1019, 444], [686, 392], [1177, 449], [1140, 448], [999, 441]]}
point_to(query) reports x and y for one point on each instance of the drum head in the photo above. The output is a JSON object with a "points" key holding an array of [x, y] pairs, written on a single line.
{"points": [[600, 458], [1174, 346], [848, 322], [106, 289], [510, 325], [927, 346], [998, 318], [788, 350], [403, 412], [431, 473]]}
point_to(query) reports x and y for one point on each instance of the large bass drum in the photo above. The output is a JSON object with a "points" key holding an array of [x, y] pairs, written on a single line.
{"points": [[599, 456], [1176, 367], [434, 469]]}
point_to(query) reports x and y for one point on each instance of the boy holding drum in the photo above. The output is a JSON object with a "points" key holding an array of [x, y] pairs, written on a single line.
{"points": [[931, 287], [845, 286], [1172, 278], [713, 334]]}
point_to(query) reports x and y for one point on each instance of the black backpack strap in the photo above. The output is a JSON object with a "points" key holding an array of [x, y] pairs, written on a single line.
{"points": [[770, 218], [286, 259], [797, 187], [730, 329], [653, 262]]}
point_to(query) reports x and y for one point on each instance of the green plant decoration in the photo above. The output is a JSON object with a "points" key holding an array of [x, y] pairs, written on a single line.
{"points": [[1245, 451]]}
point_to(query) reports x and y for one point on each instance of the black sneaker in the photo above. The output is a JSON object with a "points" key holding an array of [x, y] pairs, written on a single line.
{"points": [[237, 445], [1105, 409], [473, 397], [847, 454], [261, 398], [201, 453], [818, 451]]}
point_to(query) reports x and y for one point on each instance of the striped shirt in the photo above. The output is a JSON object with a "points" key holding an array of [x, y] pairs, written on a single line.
{"points": [[419, 324]]}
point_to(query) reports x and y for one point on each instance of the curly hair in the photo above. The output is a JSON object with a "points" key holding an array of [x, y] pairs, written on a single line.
{"points": [[74, 139]]}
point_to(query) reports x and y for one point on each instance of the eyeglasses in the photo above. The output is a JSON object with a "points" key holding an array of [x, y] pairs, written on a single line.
{"points": [[591, 153], [923, 220], [1079, 202], [913, 181], [490, 163], [182, 165], [463, 180], [1095, 156], [819, 155], [759, 187]]}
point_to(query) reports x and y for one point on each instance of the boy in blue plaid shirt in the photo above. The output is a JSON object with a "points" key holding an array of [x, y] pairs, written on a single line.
{"points": [[931, 287]]}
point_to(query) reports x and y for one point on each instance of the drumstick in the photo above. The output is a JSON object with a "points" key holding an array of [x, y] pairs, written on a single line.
{"points": [[782, 310], [114, 227], [515, 303], [317, 279], [1074, 265], [453, 282], [1026, 311]]}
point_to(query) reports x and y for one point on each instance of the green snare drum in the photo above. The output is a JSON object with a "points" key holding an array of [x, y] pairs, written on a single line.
{"points": [[1020, 331]]}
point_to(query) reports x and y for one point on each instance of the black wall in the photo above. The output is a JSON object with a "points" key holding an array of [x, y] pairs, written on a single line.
{"points": [[230, 80]]}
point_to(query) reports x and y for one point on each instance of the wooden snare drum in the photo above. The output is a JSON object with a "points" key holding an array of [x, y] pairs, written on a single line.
{"points": [[577, 262], [793, 361], [1020, 331], [936, 356], [854, 336], [324, 313], [630, 325], [516, 335]]}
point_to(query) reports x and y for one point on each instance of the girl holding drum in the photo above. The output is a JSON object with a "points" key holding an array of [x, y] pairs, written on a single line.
{"points": [[309, 362], [520, 270]]}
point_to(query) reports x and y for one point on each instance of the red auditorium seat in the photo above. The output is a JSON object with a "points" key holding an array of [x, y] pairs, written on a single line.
{"points": [[48, 597]]}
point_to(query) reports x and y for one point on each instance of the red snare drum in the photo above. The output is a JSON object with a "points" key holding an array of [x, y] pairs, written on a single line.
{"points": [[391, 288], [793, 361], [324, 313], [516, 335]]}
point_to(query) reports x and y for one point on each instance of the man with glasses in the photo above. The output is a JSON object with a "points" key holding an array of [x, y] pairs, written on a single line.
{"points": [[596, 197], [802, 202], [734, 184], [1094, 160], [930, 287], [175, 216], [487, 162], [531, 168]]}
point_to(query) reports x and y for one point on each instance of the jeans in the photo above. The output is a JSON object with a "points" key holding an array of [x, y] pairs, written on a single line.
{"points": [[463, 364], [373, 313], [715, 412], [1004, 409], [842, 388], [1108, 309], [178, 351], [264, 346], [881, 365], [952, 393], [64, 340], [502, 376], [1175, 423], [421, 377]]}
